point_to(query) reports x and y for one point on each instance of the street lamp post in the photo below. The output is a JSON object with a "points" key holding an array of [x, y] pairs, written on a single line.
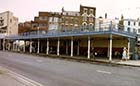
{"points": [[38, 43]]}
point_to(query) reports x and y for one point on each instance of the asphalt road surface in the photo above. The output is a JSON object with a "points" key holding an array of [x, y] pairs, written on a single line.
{"points": [[55, 72]]}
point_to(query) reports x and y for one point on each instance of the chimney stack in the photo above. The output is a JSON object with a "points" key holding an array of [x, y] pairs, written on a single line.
{"points": [[105, 15]]}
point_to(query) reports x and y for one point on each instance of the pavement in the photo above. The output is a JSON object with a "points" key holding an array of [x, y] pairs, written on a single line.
{"points": [[130, 63], [7, 80], [133, 63]]}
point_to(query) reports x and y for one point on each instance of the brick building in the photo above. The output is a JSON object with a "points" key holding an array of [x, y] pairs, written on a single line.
{"points": [[65, 20], [69, 20], [88, 15], [54, 21], [25, 27]]}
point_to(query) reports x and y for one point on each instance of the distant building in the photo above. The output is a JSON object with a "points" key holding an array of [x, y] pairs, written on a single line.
{"points": [[42, 21], [103, 24], [133, 25], [65, 20], [53, 21], [34, 24], [88, 15], [69, 20], [8, 24], [25, 27]]}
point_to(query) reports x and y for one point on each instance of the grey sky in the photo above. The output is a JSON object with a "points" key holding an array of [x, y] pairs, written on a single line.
{"points": [[26, 9]]}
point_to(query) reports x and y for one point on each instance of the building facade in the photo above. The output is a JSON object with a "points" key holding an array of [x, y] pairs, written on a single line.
{"points": [[8, 24], [53, 20], [69, 20], [25, 27], [102, 24], [66, 20], [88, 15], [42, 21], [133, 25]]}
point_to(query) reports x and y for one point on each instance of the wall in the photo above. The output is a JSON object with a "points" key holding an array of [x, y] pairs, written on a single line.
{"points": [[10, 22], [4, 18], [132, 26], [13, 28], [53, 23], [103, 43]]}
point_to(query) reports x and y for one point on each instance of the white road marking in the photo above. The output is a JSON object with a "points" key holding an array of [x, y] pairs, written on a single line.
{"points": [[26, 81], [106, 72], [26, 62], [39, 60]]}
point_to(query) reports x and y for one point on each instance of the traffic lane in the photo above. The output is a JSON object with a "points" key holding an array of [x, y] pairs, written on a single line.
{"points": [[48, 78], [60, 71], [58, 65]]}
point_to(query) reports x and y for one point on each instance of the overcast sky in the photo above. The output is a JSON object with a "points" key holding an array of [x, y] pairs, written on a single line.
{"points": [[25, 10]]}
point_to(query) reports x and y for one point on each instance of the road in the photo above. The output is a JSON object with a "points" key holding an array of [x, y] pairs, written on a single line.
{"points": [[55, 72]]}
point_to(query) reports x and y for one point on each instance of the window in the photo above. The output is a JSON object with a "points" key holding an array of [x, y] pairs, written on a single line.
{"points": [[139, 23], [60, 20], [90, 26], [1, 22], [84, 26], [42, 25], [128, 22], [42, 18], [134, 30], [138, 30], [76, 21], [134, 23], [85, 10], [91, 11], [10, 20], [128, 29], [77, 14], [34, 25], [85, 18], [50, 19], [90, 19], [63, 19], [64, 13]]}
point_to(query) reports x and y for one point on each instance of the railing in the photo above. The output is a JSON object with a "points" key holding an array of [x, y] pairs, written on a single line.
{"points": [[108, 27]]}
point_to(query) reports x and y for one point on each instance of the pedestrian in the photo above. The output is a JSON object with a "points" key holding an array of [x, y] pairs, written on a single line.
{"points": [[124, 54], [92, 53], [127, 56]]}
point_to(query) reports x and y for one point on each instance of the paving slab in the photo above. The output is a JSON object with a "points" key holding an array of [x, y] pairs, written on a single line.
{"points": [[130, 62]]}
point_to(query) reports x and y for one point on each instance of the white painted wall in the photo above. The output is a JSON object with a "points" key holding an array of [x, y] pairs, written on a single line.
{"points": [[132, 26], [11, 22], [53, 23], [105, 23]]}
